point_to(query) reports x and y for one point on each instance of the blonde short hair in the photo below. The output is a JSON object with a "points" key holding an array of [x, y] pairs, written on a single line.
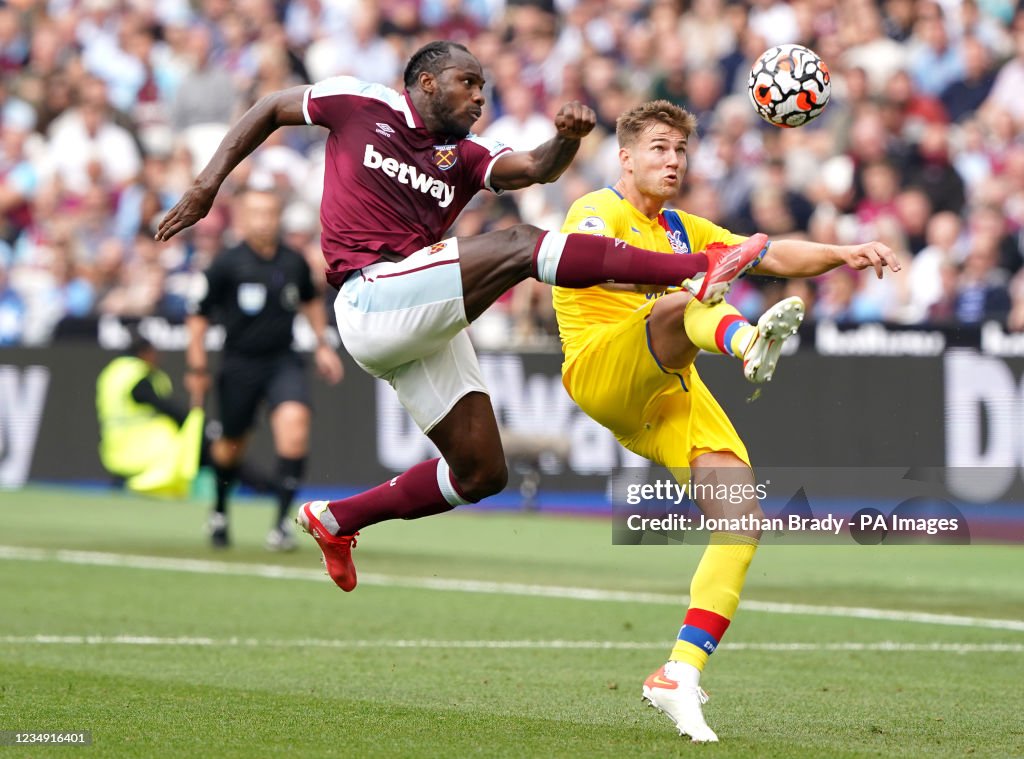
{"points": [[637, 120]]}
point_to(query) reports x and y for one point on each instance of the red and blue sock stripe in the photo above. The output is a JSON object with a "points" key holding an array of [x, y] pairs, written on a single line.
{"points": [[726, 331], [703, 629]]}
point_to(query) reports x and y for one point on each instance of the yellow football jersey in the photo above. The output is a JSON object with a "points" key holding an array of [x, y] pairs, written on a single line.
{"points": [[607, 213]]}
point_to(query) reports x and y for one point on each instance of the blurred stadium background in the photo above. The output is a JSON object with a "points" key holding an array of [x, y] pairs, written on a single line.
{"points": [[515, 630]]}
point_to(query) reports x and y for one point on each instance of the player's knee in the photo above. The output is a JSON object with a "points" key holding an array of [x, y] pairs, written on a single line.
{"points": [[523, 237], [485, 481], [227, 452], [754, 514]]}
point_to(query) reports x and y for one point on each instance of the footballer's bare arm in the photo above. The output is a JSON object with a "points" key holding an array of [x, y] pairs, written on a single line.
{"points": [[803, 258], [546, 162], [278, 109]]}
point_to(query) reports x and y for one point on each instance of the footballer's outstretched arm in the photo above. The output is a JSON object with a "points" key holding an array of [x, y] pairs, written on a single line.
{"points": [[278, 109], [546, 162], [802, 258]]}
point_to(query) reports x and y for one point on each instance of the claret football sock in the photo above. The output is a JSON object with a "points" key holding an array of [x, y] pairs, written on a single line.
{"points": [[426, 489], [579, 260], [714, 596]]}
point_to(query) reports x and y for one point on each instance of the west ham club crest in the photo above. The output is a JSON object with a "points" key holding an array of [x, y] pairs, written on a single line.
{"points": [[445, 156]]}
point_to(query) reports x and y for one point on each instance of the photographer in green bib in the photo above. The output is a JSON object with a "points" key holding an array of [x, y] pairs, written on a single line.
{"points": [[146, 438]]}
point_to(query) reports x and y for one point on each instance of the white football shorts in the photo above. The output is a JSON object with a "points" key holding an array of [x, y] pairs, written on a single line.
{"points": [[404, 322]]}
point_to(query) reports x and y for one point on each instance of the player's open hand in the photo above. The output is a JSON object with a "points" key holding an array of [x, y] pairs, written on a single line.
{"points": [[574, 120], [874, 254], [192, 207], [329, 365]]}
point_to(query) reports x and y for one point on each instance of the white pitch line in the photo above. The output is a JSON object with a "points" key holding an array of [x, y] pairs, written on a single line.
{"points": [[203, 566], [552, 645]]}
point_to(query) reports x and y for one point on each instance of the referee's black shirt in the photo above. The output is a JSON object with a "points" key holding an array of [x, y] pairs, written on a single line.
{"points": [[255, 298]]}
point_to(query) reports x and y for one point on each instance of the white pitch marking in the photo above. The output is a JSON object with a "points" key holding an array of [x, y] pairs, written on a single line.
{"points": [[202, 566], [561, 645]]}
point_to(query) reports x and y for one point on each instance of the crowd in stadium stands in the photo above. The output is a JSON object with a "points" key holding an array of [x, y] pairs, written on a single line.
{"points": [[108, 108]]}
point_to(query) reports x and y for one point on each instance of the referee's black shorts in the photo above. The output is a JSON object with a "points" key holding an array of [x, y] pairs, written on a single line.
{"points": [[245, 381]]}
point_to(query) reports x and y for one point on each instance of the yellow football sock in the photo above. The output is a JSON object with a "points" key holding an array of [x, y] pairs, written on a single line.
{"points": [[717, 329], [714, 596]]}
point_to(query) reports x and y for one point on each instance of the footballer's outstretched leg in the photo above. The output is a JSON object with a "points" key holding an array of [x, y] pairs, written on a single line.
{"points": [[723, 329], [776, 325]]}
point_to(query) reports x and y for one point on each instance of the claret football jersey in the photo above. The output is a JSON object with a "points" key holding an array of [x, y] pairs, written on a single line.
{"points": [[390, 185]]}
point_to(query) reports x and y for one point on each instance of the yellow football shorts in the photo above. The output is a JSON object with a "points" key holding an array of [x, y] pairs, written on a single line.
{"points": [[668, 417]]}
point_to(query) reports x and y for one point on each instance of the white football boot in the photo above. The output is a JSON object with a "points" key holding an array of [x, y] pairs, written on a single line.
{"points": [[776, 325], [682, 703]]}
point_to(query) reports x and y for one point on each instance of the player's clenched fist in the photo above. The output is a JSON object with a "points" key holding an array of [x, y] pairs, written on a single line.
{"points": [[574, 120]]}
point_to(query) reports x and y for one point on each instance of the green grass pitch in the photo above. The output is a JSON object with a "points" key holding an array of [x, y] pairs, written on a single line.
{"points": [[115, 617]]}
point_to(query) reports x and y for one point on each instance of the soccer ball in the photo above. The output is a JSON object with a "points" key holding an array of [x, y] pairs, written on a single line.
{"points": [[789, 85]]}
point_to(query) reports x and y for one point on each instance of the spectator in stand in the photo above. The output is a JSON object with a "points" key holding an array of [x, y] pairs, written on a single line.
{"points": [[988, 223], [206, 95], [300, 231], [357, 50], [966, 94], [930, 168], [12, 312], [986, 25], [898, 20], [934, 61], [911, 108], [974, 155], [520, 127], [913, 210], [456, 21], [775, 20], [840, 299], [87, 147], [926, 272], [942, 312], [1015, 321], [146, 198], [140, 287], [1009, 82], [238, 56], [982, 293], [866, 45], [881, 185], [19, 175], [13, 42]]}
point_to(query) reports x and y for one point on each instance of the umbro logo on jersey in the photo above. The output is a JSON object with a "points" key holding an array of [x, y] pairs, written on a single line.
{"points": [[384, 129], [410, 175]]}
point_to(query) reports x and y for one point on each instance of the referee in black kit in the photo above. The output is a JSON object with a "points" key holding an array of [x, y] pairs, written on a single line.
{"points": [[255, 290]]}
